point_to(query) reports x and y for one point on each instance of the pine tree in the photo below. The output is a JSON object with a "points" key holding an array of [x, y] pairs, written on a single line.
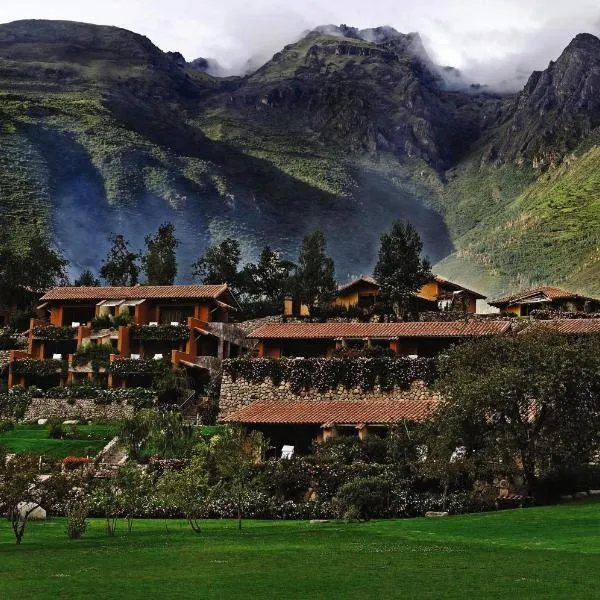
{"points": [[120, 267], [400, 270], [315, 275], [160, 261], [219, 264]]}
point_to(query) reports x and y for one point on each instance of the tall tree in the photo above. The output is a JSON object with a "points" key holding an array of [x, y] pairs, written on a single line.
{"points": [[28, 273], [400, 270], [269, 279], [120, 267], [219, 264], [530, 400], [315, 275], [160, 261], [86, 279]]}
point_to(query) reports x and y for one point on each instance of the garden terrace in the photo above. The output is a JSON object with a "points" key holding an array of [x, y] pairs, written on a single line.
{"points": [[276, 340]]}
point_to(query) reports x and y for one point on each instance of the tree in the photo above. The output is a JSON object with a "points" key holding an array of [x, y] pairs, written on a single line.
{"points": [[269, 279], [20, 490], [160, 261], [166, 433], [400, 270], [315, 275], [120, 267], [29, 272], [234, 453], [530, 400], [86, 279], [135, 487], [186, 491], [219, 264]]}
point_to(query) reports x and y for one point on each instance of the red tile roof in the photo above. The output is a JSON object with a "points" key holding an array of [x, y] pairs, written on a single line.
{"points": [[552, 293], [334, 411], [138, 292], [574, 326], [435, 329]]}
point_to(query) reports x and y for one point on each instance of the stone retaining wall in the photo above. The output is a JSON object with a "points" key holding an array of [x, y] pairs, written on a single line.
{"points": [[48, 408], [239, 393]]}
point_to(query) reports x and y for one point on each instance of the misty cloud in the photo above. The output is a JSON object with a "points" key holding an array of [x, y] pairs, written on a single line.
{"points": [[494, 42]]}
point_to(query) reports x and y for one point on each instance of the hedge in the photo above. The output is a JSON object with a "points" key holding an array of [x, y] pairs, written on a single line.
{"points": [[329, 373], [141, 366], [160, 333], [32, 367], [54, 334]]}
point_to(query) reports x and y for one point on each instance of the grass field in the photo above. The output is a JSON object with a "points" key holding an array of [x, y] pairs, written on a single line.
{"points": [[33, 438], [550, 552]]}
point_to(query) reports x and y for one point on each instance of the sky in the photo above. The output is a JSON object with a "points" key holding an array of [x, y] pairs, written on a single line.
{"points": [[496, 42]]}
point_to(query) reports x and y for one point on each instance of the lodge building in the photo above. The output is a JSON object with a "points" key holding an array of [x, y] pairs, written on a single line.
{"points": [[185, 324]]}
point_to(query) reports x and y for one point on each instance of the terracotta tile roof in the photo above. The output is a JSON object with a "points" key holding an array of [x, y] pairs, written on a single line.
{"points": [[334, 411], [574, 326], [136, 292], [435, 329], [552, 293]]}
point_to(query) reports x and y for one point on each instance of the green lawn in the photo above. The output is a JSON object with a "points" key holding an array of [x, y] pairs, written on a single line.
{"points": [[550, 552], [33, 438]]}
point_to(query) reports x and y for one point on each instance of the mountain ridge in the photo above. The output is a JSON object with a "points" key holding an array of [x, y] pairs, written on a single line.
{"points": [[334, 132]]}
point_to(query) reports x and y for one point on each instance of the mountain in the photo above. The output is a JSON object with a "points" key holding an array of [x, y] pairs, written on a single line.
{"points": [[344, 130]]}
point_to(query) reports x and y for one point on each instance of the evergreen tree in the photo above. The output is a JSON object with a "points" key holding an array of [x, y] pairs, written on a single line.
{"points": [[120, 267], [400, 270], [27, 274], [160, 261], [269, 279], [315, 275], [87, 279], [219, 264]]}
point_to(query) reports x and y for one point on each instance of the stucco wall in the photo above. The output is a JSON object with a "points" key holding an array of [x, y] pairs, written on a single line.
{"points": [[48, 408], [235, 395]]}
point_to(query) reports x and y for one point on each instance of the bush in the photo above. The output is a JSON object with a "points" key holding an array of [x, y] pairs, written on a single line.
{"points": [[55, 430], [6, 425], [77, 513], [13, 404], [363, 498]]}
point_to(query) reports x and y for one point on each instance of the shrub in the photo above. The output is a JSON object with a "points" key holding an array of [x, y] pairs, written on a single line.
{"points": [[55, 430], [98, 355], [38, 367], [363, 498], [13, 404], [77, 512], [6, 425], [161, 333], [54, 334]]}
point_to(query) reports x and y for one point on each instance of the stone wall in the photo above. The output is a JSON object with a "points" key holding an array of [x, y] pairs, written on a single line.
{"points": [[239, 393], [48, 408]]}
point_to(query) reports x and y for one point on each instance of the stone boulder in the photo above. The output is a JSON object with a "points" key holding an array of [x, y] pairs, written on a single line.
{"points": [[32, 511]]}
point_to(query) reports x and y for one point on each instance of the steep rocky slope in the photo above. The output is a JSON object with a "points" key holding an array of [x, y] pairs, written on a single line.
{"points": [[345, 130]]}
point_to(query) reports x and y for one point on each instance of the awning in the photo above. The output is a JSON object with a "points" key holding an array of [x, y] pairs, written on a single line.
{"points": [[134, 302], [110, 303]]}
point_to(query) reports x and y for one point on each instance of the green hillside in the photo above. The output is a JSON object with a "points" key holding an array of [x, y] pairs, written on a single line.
{"points": [[548, 233]]}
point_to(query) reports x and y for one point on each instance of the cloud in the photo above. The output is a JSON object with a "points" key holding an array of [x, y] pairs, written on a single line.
{"points": [[497, 42]]}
